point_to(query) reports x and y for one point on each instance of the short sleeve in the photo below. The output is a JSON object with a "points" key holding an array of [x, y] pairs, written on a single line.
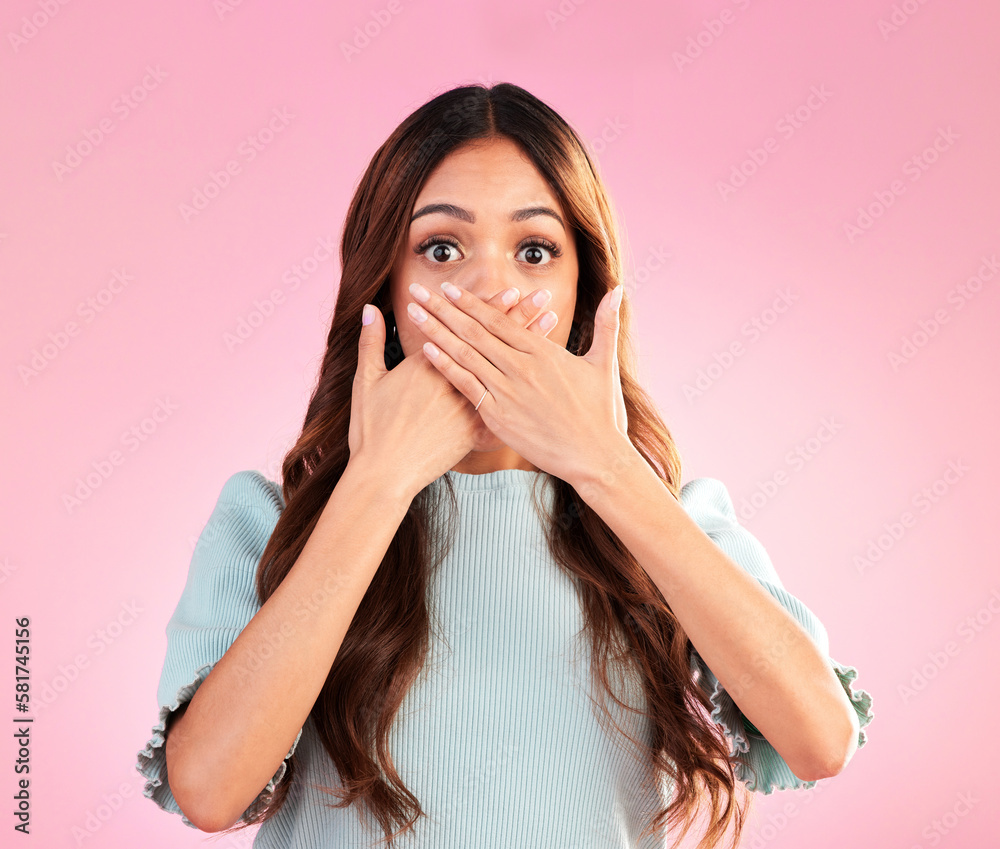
{"points": [[218, 600], [707, 501]]}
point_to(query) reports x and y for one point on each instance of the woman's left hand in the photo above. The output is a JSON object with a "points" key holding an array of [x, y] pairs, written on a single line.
{"points": [[562, 413]]}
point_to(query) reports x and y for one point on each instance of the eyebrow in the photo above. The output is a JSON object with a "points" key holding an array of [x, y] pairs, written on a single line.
{"points": [[464, 215]]}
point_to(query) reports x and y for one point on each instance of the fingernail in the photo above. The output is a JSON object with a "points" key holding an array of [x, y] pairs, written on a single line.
{"points": [[547, 321], [419, 292], [367, 315], [508, 297], [451, 290], [541, 297]]}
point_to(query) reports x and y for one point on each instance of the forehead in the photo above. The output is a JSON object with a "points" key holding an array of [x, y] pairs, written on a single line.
{"points": [[497, 171]]}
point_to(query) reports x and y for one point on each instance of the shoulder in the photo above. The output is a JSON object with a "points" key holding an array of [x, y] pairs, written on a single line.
{"points": [[251, 489], [245, 513], [708, 499]]}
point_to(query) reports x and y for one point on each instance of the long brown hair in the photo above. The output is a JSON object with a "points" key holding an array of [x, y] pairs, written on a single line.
{"points": [[625, 615]]}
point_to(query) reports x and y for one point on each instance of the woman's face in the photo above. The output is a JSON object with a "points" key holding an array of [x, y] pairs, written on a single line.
{"points": [[475, 244]]}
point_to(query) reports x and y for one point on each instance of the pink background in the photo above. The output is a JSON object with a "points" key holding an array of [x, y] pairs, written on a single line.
{"points": [[868, 98]]}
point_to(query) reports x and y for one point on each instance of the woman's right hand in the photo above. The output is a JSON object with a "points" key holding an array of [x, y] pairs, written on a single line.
{"points": [[411, 420]]}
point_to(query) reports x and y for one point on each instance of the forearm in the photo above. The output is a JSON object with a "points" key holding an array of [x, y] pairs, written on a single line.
{"points": [[243, 719], [769, 664]]}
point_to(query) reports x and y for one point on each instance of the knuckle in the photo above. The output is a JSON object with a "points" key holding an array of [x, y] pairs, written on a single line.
{"points": [[465, 352], [473, 330], [496, 322]]}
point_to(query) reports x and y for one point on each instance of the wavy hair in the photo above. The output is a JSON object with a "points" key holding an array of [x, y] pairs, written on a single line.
{"points": [[625, 615]]}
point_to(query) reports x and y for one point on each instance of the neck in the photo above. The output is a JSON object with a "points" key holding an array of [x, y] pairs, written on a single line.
{"points": [[481, 462]]}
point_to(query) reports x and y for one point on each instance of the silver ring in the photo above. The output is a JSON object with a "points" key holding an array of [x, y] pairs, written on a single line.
{"points": [[481, 399]]}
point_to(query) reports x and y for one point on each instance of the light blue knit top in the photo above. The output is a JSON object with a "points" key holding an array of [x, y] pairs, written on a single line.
{"points": [[498, 738]]}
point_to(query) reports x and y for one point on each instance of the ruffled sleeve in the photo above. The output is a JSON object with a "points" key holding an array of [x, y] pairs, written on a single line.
{"points": [[707, 501], [218, 600]]}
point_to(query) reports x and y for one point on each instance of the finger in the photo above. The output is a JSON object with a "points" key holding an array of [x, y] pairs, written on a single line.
{"points": [[371, 345], [523, 311], [491, 333], [621, 415], [530, 311], [505, 301], [470, 342], [461, 378], [604, 345]]}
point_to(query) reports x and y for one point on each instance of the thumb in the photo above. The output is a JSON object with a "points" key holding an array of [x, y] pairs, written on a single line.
{"points": [[604, 346], [371, 344]]}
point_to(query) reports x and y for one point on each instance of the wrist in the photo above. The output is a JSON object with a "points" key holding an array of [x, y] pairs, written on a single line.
{"points": [[385, 481], [606, 468]]}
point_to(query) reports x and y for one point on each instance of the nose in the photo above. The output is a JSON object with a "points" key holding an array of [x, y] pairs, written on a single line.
{"points": [[486, 276]]}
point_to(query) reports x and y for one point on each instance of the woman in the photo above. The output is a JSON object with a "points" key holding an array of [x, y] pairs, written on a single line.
{"points": [[480, 536]]}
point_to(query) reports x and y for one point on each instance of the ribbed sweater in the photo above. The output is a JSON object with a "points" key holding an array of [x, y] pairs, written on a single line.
{"points": [[498, 738]]}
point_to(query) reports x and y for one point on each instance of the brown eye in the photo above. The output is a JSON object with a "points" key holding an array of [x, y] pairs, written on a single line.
{"points": [[444, 249], [441, 250], [535, 247]]}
